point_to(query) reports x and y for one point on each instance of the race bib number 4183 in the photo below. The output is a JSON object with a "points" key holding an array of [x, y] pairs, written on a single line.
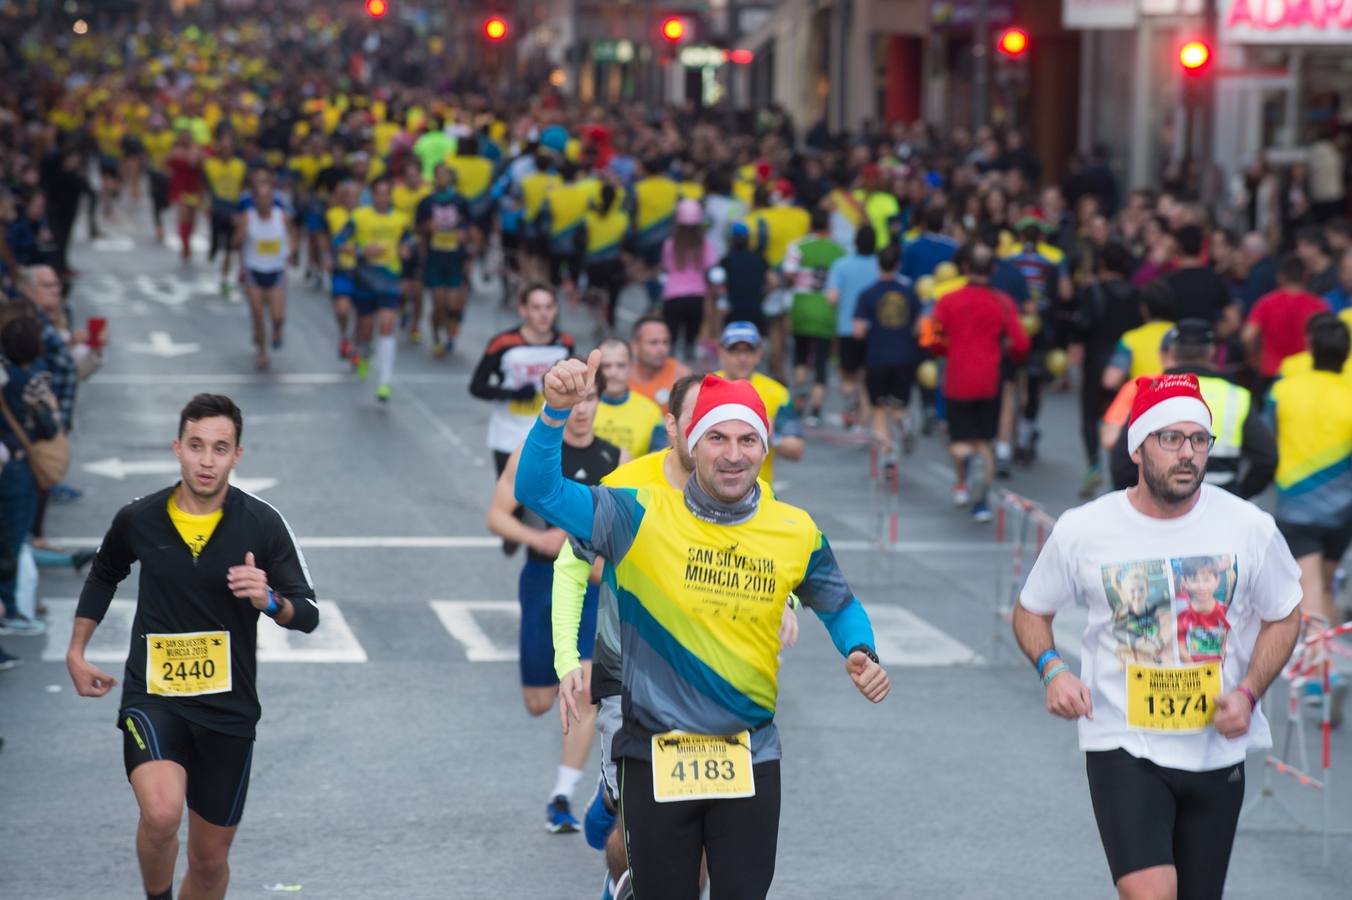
{"points": [[1172, 699], [701, 766], [188, 665]]}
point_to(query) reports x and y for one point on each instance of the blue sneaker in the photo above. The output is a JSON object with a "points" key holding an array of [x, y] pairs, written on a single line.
{"points": [[559, 817], [598, 821], [64, 493]]}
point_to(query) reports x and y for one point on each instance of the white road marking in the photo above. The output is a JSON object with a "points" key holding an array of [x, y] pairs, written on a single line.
{"points": [[115, 467], [905, 639], [331, 642], [162, 345], [457, 617]]}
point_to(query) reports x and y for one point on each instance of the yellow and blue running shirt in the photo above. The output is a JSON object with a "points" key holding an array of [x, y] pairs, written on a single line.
{"points": [[700, 604], [1138, 350], [1312, 415], [632, 422]]}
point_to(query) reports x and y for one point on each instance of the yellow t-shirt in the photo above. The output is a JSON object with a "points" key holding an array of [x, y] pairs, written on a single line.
{"points": [[629, 424], [1140, 349], [195, 529]]}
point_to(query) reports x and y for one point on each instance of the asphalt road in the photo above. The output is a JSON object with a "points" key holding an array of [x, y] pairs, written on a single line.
{"points": [[395, 757]]}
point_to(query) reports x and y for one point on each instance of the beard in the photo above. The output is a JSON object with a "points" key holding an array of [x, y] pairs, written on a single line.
{"points": [[1159, 480]]}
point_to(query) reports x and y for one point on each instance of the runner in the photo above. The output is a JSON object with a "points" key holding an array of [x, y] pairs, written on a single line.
{"points": [[225, 174], [383, 239], [606, 224], [887, 319], [1312, 416], [657, 530], [407, 196], [626, 418], [342, 264], [510, 370], [571, 576], [443, 223], [806, 264], [977, 326], [655, 369], [586, 458], [1165, 742], [265, 235], [189, 698], [740, 351], [185, 188]]}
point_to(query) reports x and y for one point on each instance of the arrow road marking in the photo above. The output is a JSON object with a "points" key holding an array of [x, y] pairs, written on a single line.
{"points": [[457, 616], [119, 470]]}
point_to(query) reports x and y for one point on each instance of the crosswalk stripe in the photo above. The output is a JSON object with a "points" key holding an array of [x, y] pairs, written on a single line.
{"points": [[331, 642], [458, 618], [905, 639]]}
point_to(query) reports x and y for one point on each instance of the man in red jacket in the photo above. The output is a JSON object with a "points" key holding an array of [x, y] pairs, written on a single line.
{"points": [[976, 325]]}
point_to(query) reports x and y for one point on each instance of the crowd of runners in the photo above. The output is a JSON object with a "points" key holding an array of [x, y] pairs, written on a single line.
{"points": [[750, 292]]}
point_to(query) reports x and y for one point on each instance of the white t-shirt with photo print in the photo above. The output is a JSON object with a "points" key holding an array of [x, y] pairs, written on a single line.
{"points": [[1166, 593]]}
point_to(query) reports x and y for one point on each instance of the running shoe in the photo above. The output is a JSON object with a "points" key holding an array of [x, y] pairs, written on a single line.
{"points": [[982, 513], [363, 367], [383, 393], [618, 890], [559, 817], [277, 342], [812, 420], [344, 349], [415, 337], [64, 493], [960, 495], [22, 626], [1093, 478], [8, 661], [598, 821], [438, 349]]}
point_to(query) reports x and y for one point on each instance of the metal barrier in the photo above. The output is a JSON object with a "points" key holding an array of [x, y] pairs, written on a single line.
{"points": [[1311, 661], [1025, 525]]}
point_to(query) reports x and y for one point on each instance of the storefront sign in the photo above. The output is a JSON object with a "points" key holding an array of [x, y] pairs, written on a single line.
{"points": [[1098, 13], [1286, 21], [962, 13], [698, 56], [609, 51]]}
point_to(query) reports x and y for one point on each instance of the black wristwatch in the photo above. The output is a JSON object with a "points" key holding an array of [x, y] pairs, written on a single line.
{"points": [[864, 649]]}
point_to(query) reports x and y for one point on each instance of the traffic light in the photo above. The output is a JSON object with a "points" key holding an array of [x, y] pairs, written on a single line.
{"points": [[1194, 56], [495, 28], [1013, 43], [674, 29], [741, 57], [376, 9]]}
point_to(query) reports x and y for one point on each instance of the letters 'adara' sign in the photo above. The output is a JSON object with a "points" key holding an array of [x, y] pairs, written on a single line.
{"points": [[1286, 21]]}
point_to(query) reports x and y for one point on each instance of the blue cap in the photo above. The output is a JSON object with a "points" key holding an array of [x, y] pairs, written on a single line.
{"points": [[740, 333], [739, 229]]}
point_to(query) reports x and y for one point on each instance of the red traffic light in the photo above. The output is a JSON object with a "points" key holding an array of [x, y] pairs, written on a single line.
{"points": [[376, 8], [1013, 42], [1194, 56], [741, 57], [673, 29], [495, 28]]}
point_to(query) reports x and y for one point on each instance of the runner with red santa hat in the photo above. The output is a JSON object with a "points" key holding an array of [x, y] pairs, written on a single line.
{"points": [[1193, 603]]}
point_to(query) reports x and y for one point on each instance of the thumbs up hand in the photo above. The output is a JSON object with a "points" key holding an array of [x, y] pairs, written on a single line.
{"points": [[570, 381], [248, 582]]}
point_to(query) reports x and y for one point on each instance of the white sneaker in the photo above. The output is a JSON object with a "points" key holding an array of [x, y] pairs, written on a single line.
{"points": [[960, 495]]}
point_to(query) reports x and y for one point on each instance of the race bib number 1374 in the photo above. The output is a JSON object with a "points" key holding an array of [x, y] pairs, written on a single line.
{"points": [[1172, 698]]}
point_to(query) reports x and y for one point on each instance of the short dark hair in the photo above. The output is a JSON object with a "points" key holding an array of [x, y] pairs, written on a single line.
{"points": [[1329, 341], [1190, 239], [21, 340], [208, 406], [648, 320], [1158, 300], [532, 288], [679, 389], [865, 240], [889, 258], [934, 218], [1291, 270], [820, 219], [1115, 258]]}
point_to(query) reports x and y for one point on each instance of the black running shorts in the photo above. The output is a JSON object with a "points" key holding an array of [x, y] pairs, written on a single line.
{"points": [[217, 764], [1149, 815]]}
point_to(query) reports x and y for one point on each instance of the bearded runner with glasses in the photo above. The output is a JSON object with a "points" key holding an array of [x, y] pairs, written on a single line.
{"points": [[1193, 603]]}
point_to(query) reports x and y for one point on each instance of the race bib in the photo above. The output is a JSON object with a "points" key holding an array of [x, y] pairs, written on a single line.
{"points": [[188, 665], [1172, 699], [445, 241], [268, 248], [530, 407], [702, 767]]}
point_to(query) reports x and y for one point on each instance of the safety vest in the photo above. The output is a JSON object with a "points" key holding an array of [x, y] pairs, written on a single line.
{"points": [[1229, 408]]}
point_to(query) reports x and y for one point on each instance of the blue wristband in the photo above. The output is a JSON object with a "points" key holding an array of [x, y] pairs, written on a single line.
{"points": [[1044, 658], [1053, 672], [274, 606], [555, 413]]}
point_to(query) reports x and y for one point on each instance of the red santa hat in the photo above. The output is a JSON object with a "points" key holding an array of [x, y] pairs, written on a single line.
{"points": [[721, 401], [1163, 400]]}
